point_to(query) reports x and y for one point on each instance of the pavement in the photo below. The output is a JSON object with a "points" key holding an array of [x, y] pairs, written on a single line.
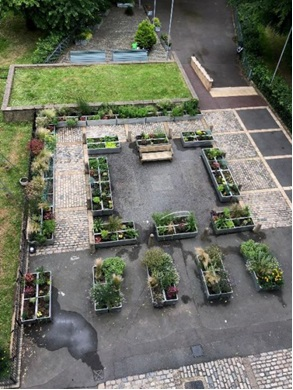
{"points": [[244, 343]]}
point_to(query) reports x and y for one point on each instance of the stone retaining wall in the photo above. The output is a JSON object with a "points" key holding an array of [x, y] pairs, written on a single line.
{"points": [[202, 73], [26, 113]]}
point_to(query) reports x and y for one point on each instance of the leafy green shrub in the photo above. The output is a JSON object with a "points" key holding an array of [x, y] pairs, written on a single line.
{"points": [[278, 93], [113, 265], [145, 35], [191, 107], [178, 110], [45, 46]]}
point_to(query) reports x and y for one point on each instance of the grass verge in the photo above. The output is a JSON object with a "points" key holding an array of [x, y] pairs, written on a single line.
{"points": [[14, 138], [102, 83]]}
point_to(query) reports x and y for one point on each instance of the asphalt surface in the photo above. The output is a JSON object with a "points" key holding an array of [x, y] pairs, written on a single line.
{"points": [[204, 29], [79, 348]]}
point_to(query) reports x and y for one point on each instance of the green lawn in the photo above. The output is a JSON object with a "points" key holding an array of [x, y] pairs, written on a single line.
{"points": [[102, 83], [14, 138]]}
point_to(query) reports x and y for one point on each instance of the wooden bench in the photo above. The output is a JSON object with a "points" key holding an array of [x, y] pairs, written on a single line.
{"points": [[89, 56], [156, 152], [129, 55]]}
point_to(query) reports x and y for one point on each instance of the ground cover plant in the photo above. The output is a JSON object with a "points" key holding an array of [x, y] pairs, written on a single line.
{"points": [[14, 138], [102, 83]]}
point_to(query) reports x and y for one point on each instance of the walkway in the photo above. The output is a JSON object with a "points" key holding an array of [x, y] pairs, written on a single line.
{"points": [[271, 370]]}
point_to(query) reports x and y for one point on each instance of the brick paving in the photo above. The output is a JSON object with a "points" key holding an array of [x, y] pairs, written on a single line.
{"points": [[264, 371], [236, 146], [223, 120], [269, 208], [72, 230], [251, 174]]}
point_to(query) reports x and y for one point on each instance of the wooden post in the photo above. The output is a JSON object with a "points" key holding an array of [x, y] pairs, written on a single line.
{"points": [[151, 240], [257, 228]]}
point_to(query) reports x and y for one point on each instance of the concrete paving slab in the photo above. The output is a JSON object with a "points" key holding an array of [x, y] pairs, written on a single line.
{"points": [[273, 143], [232, 91], [257, 118], [282, 169]]}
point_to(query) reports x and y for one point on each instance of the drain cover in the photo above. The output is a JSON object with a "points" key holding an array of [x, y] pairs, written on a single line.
{"points": [[194, 385], [197, 350]]}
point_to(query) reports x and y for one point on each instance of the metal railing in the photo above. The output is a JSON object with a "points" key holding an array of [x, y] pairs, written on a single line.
{"points": [[55, 55]]}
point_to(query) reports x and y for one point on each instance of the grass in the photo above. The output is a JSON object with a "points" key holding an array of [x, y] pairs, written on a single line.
{"points": [[102, 83], [16, 42], [16, 46], [14, 138]]}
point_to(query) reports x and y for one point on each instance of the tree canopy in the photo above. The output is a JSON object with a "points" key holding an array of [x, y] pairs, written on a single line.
{"points": [[273, 13], [56, 15]]}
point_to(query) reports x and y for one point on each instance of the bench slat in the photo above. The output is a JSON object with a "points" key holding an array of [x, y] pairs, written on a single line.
{"points": [[156, 156]]}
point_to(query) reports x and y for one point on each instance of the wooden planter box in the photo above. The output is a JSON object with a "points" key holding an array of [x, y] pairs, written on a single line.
{"points": [[148, 143], [98, 122], [195, 142], [165, 301], [51, 240], [118, 241], [176, 234], [213, 296], [222, 198], [97, 184], [38, 298], [104, 309], [236, 229], [102, 150]]}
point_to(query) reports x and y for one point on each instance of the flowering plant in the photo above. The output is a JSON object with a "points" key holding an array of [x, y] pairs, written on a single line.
{"points": [[260, 260]]}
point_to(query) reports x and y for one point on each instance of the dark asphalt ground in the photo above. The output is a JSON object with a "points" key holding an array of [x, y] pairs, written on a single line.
{"points": [[79, 348]]}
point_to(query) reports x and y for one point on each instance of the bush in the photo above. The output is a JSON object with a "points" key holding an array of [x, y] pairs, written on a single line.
{"points": [[278, 93], [45, 46], [35, 146], [145, 35]]}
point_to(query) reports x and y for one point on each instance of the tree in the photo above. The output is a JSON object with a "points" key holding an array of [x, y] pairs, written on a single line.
{"points": [[56, 15], [145, 35]]}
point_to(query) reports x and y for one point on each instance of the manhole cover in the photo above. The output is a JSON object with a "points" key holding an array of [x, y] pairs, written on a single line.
{"points": [[194, 385], [197, 350]]}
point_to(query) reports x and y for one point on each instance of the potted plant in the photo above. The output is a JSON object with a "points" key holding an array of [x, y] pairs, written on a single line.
{"points": [[163, 277], [232, 220], [196, 138], [215, 278], [262, 264], [157, 24], [219, 172], [114, 232], [106, 291], [175, 226]]}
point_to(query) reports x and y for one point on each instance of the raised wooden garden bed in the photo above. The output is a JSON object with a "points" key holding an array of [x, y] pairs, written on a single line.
{"points": [[214, 277], [175, 226], [37, 297], [220, 174], [103, 145], [126, 234], [191, 139], [100, 186], [234, 220]]}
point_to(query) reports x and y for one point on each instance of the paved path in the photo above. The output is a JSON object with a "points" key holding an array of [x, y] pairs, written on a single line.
{"points": [[271, 370]]}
